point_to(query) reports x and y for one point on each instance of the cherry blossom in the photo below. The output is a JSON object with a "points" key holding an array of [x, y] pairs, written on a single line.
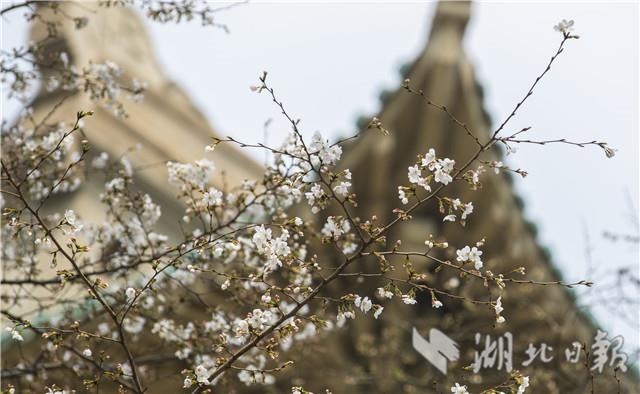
{"points": [[335, 227], [523, 386], [363, 303], [564, 26], [471, 255], [409, 300], [212, 197], [458, 389], [382, 293], [15, 334]]}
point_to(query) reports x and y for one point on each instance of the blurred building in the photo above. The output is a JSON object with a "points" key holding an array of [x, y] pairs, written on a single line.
{"points": [[368, 356]]}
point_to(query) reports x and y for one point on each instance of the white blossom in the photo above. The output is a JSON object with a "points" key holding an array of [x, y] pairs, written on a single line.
{"points": [[134, 325], [497, 165], [272, 249], [212, 197], [187, 176], [453, 283], [15, 334], [363, 303], [457, 389], [261, 238], [335, 228], [342, 189], [259, 319], [52, 391], [564, 26], [100, 161], [415, 176], [241, 327], [342, 317], [202, 374], [329, 154], [115, 184], [442, 177], [384, 293], [429, 158], [442, 168], [407, 299], [70, 217], [314, 194], [475, 177], [130, 293], [523, 386], [470, 254], [402, 195], [52, 83], [609, 152], [468, 209]]}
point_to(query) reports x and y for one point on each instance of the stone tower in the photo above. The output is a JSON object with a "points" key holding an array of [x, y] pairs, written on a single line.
{"points": [[536, 314]]}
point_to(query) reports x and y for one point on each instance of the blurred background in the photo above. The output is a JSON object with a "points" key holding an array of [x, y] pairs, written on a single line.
{"points": [[330, 63]]}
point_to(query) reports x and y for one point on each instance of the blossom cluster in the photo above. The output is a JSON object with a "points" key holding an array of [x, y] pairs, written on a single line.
{"points": [[440, 171]]}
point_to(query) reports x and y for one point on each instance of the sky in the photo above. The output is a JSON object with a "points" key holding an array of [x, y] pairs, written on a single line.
{"points": [[329, 62]]}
